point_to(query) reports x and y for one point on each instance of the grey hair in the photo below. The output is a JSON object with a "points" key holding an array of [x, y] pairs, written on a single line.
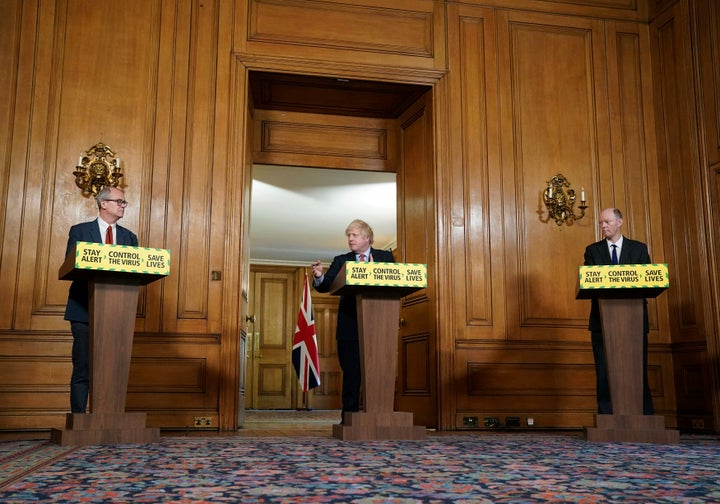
{"points": [[103, 195]]}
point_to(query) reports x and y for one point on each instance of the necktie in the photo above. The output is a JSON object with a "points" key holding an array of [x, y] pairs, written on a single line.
{"points": [[614, 255], [361, 258], [109, 236]]}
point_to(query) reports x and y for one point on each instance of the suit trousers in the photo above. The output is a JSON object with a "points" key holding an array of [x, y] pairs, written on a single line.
{"points": [[80, 378], [349, 358]]}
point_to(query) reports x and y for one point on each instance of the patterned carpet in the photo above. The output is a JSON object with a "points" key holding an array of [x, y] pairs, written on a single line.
{"points": [[465, 467]]}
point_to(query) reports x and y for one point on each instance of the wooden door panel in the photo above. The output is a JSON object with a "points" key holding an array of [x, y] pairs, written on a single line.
{"points": [[271, 375], [416, 388]]}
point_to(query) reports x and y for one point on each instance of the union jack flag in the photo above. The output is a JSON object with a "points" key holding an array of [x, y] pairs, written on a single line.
{"points": [[305, 356]]}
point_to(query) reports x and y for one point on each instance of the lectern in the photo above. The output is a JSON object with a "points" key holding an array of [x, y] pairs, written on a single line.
{"points": [[378, 312], [114, 274], [621, 291]]}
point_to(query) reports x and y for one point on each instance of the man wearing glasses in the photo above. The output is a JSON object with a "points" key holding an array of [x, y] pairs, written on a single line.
{"points": [[111, 205]]}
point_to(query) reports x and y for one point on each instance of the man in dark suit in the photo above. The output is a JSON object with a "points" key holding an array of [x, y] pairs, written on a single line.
{"points": [[615, 249], [111, 205], [360, 239]]}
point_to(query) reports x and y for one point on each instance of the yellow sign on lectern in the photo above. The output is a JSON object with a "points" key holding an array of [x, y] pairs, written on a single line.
{"points": [[624, 276], [386, 274], [122, 258]]}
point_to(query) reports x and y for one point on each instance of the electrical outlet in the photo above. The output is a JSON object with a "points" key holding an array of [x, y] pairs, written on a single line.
{"points": [[491, 422], [530, 421], [698, 423], [470, 421], [512, 421], [201, 421]]}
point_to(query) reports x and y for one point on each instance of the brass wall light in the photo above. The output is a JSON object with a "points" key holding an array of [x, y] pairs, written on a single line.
{"points": [[559, 200], [97, 167]]}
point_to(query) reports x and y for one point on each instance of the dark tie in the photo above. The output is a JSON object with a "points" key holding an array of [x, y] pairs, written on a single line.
{"points": [[361, 258], [109, 236], [614, 255]]}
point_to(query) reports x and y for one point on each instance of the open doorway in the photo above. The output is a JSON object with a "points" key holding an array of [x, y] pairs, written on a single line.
{"points": [[298, 215], [349, 126]]}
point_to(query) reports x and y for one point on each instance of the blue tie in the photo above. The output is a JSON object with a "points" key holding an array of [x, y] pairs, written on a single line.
{"points": [[614, 255]]}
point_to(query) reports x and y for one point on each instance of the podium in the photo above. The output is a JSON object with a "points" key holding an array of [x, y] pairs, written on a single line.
{"points": [[621, 291], [378, 313], [114, 274]]}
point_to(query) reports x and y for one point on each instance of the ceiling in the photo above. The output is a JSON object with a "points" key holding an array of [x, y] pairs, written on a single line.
{"points": [[299, 214]]}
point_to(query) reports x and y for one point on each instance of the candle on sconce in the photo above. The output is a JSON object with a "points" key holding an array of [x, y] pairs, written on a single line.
{"points": [[549, 190], [117, 162], [582, 194], [80, 160]]}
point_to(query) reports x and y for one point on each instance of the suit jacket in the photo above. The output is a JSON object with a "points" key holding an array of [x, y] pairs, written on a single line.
{"points": [[77, 304], [347, 325], [633, 252]]}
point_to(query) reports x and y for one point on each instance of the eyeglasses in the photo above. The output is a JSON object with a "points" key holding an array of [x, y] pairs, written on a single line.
{"points": [[119, 202]]}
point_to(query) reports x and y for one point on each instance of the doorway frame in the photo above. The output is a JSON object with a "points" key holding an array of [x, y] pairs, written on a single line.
{"points": [[240, 154]]}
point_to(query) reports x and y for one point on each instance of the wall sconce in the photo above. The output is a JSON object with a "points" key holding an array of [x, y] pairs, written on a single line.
{"points": [[97, 167], [559, 200]]}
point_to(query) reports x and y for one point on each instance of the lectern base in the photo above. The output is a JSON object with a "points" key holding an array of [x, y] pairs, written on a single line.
{"points": [[364, 426], [631, 429], [104, 429]]}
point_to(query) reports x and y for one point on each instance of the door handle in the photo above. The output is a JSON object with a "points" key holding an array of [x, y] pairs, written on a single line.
{"points": [[250, 318]]}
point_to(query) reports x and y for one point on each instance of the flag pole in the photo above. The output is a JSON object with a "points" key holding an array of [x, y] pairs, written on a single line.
{"points": [[305, 400]]}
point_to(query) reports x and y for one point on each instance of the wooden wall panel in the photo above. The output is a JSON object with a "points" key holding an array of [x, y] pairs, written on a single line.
{"points": [[75, 96], [146, 87], [293, 138], [635, 184], [573, 96], [555, 386], [706, 20], [683, 184], [678, 168], [417, 389], [10, 54], [531, 87], [555, 102], [406, 33], [476, 245], [607, 9], [328, 394]]}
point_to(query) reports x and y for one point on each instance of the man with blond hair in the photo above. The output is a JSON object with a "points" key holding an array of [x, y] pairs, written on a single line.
{"points": [[360, 239]]}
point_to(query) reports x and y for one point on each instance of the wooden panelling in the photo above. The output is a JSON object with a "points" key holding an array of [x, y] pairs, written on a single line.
{"points": [[678, 167], [149, 91], [608, 9], [706, 20], [519, 277], [635, 183], [476, 247], [328, 394], [406, 33], [515, 92], [10, 30], [301, 139], [418, 365], [417, 344], [553, 126], [683, 184]]}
